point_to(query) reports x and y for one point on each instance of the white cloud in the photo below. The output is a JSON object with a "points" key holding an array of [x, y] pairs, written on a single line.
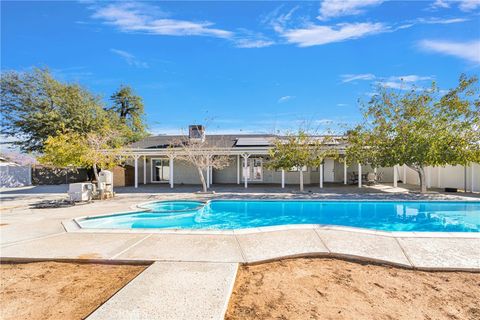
{"points": [[469, 5], [404, 82], [464, 5], [130, 58], [338, 8], [410, 78], [134, 17], [469, 51], [285, 99], [442, 21], [355, 77], [253, 43], [394, 85], [440, 4], [318, 35], [248, 39]]}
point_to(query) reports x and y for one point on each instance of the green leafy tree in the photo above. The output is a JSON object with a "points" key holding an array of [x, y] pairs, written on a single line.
{"points": [[129, 108], [93, 150], [35, 106], [298, 151], [419, 128]]}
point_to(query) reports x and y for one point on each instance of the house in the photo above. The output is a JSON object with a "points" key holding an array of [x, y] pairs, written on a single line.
{"points": [[153, 159]]}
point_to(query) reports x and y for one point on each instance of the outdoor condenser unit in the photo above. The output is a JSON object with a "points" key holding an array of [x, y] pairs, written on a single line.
{"points": [[81, 191]]}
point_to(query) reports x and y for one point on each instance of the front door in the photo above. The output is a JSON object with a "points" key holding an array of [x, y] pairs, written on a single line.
{"points": [[254, 170], [160, 170], [329, 170]]}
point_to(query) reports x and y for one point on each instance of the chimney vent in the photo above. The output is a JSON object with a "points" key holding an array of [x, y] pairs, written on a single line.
{"points": [[196, 132]]}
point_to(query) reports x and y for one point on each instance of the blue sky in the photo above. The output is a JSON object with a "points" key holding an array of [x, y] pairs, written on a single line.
{"points": [[250, 66]]}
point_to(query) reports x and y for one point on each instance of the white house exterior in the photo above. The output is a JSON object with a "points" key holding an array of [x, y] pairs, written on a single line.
{"points": [[155, 162]]}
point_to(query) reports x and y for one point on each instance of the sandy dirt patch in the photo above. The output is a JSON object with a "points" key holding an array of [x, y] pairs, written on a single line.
{"points": [[336, 289], [54, 290]]}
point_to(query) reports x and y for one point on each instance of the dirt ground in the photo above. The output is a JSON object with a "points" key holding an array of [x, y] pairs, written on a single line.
{"points": [[336, 289], [54, 290]]}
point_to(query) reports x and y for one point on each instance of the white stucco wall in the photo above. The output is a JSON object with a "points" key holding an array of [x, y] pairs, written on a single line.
{"points": [[448, 176]]}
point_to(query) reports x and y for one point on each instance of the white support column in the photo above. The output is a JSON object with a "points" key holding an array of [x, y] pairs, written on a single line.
{"points": [[321, 175], [395, 176], [171, 171], [144, 169], [404, 180], [345, 172], [245, 167], [208, 177], [208, 173], [359, 175], [211, 175], [283, 178], [136, 170], [238, 169]]}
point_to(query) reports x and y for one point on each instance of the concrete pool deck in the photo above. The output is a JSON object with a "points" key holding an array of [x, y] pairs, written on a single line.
{"points": [[28, 234]]}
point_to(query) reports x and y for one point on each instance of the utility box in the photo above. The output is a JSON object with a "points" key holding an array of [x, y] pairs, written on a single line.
{"points": [[82, 191], [105, 184], [105, 181]]}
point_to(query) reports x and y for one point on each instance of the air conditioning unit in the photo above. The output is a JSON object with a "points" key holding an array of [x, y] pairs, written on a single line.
{"points": [[81, 191]]}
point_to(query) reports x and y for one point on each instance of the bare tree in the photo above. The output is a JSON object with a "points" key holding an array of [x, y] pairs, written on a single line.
{"points": [[199, 153]]}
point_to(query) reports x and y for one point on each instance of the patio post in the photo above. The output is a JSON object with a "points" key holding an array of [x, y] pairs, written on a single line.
{"points": [[283, 178], [208, 177], [135, 157], [345, 171], [320, 171], [238, 169], [245, 167], [144, 169], [211, 175], [171, 170], [359, 175], [395, 177]]}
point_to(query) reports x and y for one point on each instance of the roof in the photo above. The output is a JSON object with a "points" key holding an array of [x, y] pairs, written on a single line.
{"points": [[214, 140]]}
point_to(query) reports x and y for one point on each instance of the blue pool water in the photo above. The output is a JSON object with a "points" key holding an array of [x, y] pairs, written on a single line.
{"points": [[230, 214]]}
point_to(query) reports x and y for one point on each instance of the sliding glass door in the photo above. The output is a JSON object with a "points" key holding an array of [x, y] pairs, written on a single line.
{"points": [[160, 170], [254, 170]]}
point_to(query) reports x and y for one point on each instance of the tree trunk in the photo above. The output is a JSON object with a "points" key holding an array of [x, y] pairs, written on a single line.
{"points": [[421, 174], [202, 179], [301, 179], [95, 172]]}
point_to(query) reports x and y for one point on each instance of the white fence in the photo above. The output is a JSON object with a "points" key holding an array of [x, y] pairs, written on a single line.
{"points": [[445, 177], [15, 176]]}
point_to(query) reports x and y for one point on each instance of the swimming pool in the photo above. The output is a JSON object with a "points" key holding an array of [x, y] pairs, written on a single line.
{"points": [[443, 216]]}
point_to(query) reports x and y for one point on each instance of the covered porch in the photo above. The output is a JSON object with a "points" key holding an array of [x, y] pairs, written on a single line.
{"points": [[248, 169]]}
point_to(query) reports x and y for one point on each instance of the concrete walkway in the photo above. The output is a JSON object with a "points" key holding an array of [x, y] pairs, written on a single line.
{"points": [[173, 290]]}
